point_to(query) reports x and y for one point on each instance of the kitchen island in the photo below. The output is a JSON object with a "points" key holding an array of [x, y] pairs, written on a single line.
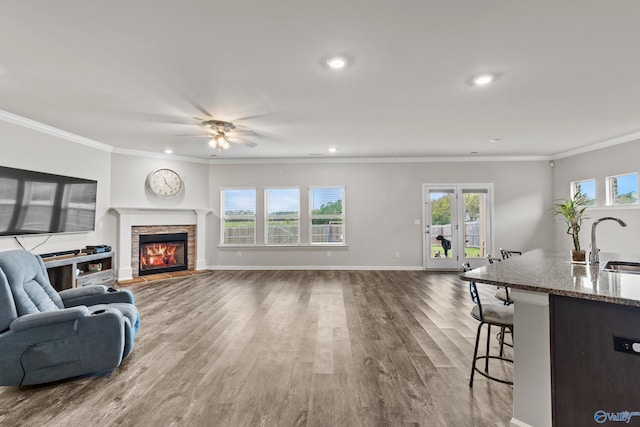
{"points": [[574, 332]]}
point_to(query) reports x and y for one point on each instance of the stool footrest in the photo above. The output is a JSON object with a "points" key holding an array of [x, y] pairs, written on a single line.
{"points": [[485, 374]]}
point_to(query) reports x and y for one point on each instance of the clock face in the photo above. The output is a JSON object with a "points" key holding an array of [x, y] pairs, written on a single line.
{"points": [[164, 183]]}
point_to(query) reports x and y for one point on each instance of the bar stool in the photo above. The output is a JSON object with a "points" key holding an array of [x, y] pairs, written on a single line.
{"points": [[503, 291], [491, 315], [506, 253]]}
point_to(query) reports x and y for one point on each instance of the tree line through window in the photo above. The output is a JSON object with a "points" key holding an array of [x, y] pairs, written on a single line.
{"points": [[619, 190], [283, 216]]}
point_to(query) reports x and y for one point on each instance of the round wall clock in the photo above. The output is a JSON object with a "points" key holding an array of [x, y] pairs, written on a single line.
{"points": [[164, 182]]}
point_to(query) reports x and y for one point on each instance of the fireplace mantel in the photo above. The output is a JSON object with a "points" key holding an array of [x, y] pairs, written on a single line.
{"points": [[128, 217]]}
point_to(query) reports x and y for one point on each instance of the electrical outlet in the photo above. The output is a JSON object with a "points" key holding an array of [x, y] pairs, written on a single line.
{"points": [[328, 254], [397, 254], [416, 221], [239, 254]]}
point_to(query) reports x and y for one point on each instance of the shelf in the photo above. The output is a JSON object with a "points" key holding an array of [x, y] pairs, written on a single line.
{"points": [[71, 271]]}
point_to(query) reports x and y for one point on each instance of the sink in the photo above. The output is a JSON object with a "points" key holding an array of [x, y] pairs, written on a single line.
{"points": [[622, 267]]}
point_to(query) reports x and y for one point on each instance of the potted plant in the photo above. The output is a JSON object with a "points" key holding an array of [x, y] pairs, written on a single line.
{"points": [[572, 211]]}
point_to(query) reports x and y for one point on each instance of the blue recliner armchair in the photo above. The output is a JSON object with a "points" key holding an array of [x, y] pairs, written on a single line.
{"points": [[48, 336]]}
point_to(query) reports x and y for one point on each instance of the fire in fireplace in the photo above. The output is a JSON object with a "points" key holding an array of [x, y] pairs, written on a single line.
{"points": [[162, 253]]}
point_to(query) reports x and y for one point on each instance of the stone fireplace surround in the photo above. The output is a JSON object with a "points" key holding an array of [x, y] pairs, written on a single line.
{"points": [[130, 219]]}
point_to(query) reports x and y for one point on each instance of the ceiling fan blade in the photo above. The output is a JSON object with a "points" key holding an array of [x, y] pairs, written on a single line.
{"points": [[196, 136], [254, 116], [241, 141], [246, 131], [247, 143], [158, 118], [199, 108]]}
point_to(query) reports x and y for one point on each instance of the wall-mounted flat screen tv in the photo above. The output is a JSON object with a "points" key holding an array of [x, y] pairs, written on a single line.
{"points": [[43, 203]]}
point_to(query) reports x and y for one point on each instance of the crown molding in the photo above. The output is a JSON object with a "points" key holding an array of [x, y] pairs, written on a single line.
{"points": [[334, 160], [599, 145], [154, 155], [68, 136], [50, 130]]}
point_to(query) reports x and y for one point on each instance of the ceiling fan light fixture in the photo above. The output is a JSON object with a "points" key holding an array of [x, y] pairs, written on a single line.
{"points": [[223, 143], [219, 142], [220, 135]]}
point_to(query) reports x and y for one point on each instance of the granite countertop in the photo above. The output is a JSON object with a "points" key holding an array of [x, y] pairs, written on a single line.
{"points": [[553, 273]]}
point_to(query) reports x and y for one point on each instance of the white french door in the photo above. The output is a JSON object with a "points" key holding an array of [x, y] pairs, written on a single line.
{"points": [[458, 225]]}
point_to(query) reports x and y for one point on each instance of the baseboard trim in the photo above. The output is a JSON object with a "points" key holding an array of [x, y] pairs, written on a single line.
{"points": [[316, 267]]}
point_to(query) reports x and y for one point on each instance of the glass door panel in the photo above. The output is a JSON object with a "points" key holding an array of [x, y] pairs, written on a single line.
{"points": [[457, 225], [475, 230], [440, 232]]}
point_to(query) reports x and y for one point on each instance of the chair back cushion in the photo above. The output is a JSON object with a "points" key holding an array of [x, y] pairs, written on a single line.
{"points": [[29, 283], [8, 311]]}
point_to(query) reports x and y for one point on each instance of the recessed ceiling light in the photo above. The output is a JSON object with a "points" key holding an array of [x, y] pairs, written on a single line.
{"points": [[337, 62], [483, 79], [473, 152], [168, 151], [332, 149], [495, 140]]}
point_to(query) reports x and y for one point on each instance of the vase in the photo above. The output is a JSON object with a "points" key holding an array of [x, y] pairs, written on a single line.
{"points": [[579, 257]]}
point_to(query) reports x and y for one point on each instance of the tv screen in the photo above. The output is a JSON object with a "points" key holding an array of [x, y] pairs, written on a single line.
{"points": [[43, 203]]}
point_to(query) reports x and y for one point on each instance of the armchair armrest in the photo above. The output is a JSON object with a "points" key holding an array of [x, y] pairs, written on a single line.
{"points": [[123, 296], [46, 318], [82, 291]]}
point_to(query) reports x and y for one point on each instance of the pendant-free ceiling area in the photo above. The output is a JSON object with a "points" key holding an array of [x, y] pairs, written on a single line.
{"points": [[147, 76]]}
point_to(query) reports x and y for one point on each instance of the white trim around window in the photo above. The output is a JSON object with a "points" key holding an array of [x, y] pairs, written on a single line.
{"points": [[238, 216], [282, 216], [327, 224], [622, 190]]}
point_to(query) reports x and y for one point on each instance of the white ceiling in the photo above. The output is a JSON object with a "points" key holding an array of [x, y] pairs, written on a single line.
{"points": [[134, 74]]}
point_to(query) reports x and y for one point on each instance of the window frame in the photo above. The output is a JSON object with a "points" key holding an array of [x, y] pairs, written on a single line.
{"points": [[342, 216], [609, 190], [224, 217], [267, 217], [574, 190]]}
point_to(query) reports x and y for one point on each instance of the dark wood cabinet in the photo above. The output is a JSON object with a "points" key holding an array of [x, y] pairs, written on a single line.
{"points": [[593, 382]]}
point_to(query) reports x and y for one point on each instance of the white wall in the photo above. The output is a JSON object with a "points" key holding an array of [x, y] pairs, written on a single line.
{"points": [[29, 149], [598, 164], [382, 202], [129, 175]]}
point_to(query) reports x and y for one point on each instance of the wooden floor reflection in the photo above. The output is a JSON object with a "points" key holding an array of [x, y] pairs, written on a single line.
{"points": [[286, 348]]}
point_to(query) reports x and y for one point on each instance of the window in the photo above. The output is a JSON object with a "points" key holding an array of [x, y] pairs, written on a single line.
{"points": [[586, 187], [283, 216], [475, 222], [238, 216], [327, 214], [622, 189]]}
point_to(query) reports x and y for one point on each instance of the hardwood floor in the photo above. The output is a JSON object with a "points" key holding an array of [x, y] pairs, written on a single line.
{"points": [[286, 348]]}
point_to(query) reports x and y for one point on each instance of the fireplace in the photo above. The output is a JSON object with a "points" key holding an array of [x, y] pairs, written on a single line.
{"points": [[162, 253]]}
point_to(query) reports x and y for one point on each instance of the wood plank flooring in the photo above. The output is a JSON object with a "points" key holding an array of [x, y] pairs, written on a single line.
{"points": [[286, 348]]}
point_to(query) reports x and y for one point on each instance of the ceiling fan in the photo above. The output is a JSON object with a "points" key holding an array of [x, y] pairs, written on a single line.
{"points": [[222, 135]]}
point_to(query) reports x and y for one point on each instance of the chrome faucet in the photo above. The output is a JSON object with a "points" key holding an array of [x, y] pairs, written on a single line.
{"points": [[594, 258]]}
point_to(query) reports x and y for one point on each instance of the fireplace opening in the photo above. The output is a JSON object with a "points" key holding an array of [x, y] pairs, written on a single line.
{"points": [[162, 253]]}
